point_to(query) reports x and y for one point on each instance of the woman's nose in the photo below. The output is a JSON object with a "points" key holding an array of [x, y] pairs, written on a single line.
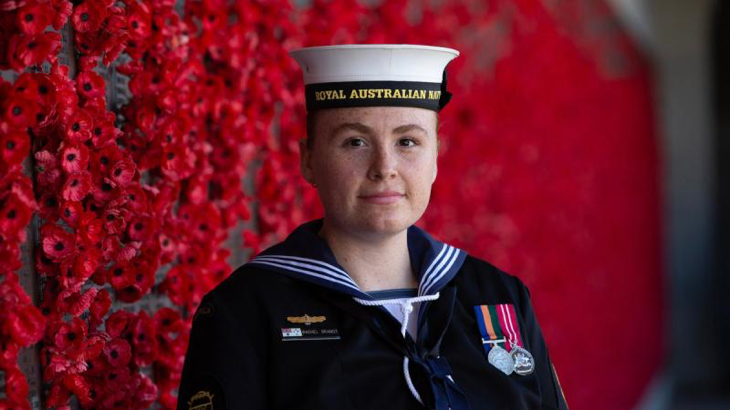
{"points": [[383, 164]]}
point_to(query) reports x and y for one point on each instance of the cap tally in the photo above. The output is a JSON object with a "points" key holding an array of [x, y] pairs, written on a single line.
{"points": [[367, 75]]}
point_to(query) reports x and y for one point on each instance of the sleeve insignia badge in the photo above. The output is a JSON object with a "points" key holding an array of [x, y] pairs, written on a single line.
{"points": [[201, 400]]}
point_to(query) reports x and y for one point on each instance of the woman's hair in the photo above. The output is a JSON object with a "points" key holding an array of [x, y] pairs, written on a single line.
{"points": [[311, 125]]}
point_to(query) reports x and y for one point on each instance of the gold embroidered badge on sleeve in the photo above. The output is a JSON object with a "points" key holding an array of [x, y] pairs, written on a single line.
{"points": [[201, 400]]}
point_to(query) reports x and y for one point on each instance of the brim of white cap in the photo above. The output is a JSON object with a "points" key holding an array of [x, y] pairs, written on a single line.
{"points": [[373, 62]]}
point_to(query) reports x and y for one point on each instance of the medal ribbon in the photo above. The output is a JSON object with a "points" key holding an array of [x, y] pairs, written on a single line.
{"points": [[489, 325], [508, 321], [498, 322]]}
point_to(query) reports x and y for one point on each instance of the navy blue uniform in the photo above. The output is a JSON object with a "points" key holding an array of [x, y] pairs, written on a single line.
{"points": [[285, 331]]}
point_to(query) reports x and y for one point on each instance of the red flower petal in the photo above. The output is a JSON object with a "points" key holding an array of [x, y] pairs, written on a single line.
{"points": [[117, 352]]}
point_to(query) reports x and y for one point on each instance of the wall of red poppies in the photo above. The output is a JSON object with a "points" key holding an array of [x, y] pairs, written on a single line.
{"points": [[548, 169]]}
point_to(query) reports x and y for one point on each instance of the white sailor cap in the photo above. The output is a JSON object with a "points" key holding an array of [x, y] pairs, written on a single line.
{"points": [[365, 75]]}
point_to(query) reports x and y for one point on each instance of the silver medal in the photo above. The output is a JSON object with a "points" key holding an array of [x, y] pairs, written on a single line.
{"points": [[524, 363], [499, 358]]}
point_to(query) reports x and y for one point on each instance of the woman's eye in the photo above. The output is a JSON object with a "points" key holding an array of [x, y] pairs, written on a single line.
{"points": [[407, 142], [355, 142]]}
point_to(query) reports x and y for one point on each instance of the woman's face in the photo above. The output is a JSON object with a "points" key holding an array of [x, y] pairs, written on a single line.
{"points": [[373, 166]]}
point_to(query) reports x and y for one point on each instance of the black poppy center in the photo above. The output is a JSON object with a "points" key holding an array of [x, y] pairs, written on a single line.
{"points": [[17, 110], [76, 126], [71, 336], [114, 354], [87, 87], [117, 172], [84, 16], [138, 226], [70, 157], [59, 246], [10, 145], [170, 155], [11, 214], [74, 182], [29, 17], [118, 271]]}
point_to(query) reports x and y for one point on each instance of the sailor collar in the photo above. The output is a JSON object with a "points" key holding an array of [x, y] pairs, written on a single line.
{"points": [[306, 256]]}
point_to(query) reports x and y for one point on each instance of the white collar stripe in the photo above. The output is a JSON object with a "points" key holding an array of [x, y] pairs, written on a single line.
{"points": [[306, 272], [430, 279], [324, 267], [435, 260], [449, 263], [445, 270], [309, 260]]}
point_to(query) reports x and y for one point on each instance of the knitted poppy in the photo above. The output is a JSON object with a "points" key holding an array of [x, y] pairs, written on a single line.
{"points": [[26, 50], [70, 335], [20, 113], [90, 230], [141, 228], [57, 243], [63, 9], [136, 198], [70, 212], [122, 172], [25, 324], [117, 352], [144, 340], [115, 220], [100, 306], [14, 148], [74, 157], [120, 276], [14, 217], [86, 17], [78, 127], [76, 186], [90, 84], [34, 17]]}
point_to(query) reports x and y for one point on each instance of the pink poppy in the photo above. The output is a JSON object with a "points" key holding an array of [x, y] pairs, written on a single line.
{"points": [[57, 243], [74, 158], [76, 186]]}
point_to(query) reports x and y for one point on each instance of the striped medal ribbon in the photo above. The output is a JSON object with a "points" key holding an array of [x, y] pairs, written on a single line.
{"points": [[492, 336]]}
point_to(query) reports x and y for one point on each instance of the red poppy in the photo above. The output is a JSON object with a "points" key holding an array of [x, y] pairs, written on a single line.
{"points": [[70, 212], [21, 113], [70, 335], [14, 148], [177, 286], [34, 18], [63, 9], [100, 306], [90, 84], [90, 230], [26, 50], [146, 392], [26, 86], [123, 172], [144, 340], [169, 321], [77, 384], [14, 216], [141, 228], [115, 220], [105, 190], [103, 158], [178, 162], [74, 157], [16, 386], [57, 243], [117, 323], [78, 127], [120, 276], [117, 352], [114, 251], [136, 198], [86, 17], [25, 324], [77, 186]]}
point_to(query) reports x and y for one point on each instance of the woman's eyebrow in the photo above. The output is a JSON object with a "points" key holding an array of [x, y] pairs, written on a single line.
{"points": [[408, 128], [354, 126]]}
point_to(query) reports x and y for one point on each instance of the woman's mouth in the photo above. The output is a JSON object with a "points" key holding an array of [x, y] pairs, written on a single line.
{"points": [[386, 197]]}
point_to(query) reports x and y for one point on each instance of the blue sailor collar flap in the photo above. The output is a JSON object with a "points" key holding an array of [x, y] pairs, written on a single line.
{"points": [[306, 256]]}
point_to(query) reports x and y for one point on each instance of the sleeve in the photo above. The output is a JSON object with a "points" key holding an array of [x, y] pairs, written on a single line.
{"points": [[552, 393], [224, 364]]}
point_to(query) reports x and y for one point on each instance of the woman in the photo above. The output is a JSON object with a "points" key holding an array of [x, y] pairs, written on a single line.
{"points": [[361, 309]]}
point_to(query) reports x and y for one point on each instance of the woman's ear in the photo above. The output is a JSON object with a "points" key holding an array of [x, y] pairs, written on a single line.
{"points": [[305, 161]]}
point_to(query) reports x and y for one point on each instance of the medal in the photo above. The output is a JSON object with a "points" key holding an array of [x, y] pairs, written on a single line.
{"points": [[524, 364], [499, 358]]}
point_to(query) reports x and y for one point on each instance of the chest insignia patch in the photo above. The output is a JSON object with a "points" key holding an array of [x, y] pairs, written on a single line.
{"points": [[306, 319]]}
